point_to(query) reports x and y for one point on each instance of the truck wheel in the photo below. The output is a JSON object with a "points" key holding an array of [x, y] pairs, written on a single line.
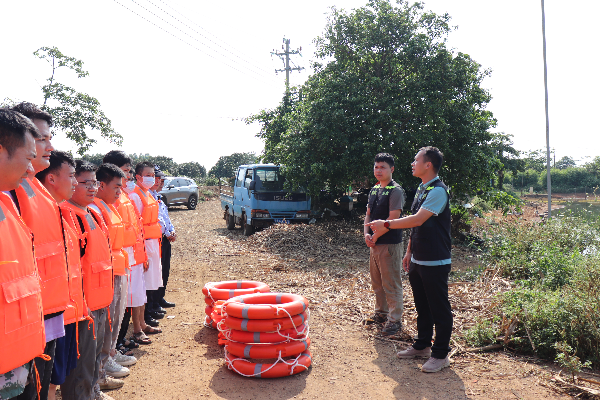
{"points": [[192, 202], [230, 221], [247, 229]]}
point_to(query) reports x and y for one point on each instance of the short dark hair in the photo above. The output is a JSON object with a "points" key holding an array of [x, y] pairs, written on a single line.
{"points": [[385, 157], [82, 166], [140, 167], [13, 127], [117, 157], [107, 172], [57, 159], [32, 111], [434, 156]]}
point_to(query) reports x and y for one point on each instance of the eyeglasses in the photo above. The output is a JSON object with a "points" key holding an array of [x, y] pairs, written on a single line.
{"points": [[89, 184]]}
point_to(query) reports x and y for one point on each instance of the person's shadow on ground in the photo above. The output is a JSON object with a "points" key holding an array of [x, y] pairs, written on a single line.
{"points": [[413, 384]]}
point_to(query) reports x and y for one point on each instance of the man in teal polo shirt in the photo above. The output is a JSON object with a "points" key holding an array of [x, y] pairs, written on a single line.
{"points": [[428, 260]]}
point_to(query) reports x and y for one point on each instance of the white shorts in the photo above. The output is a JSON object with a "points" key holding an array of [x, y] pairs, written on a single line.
{"points": [[153, 276], [136, 290]]}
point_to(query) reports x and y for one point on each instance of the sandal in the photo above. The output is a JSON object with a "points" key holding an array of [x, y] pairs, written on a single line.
{"points": [[130, 344], [151, 331], [141, 338], [125, 350]]}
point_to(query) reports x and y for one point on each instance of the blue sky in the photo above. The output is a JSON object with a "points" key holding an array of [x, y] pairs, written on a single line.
{"points": [[185, 100]]}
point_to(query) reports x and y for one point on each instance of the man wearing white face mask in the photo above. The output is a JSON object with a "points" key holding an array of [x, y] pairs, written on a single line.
{"points": [[147, 207]]}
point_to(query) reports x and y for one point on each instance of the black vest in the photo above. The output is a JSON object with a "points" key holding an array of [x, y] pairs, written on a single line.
{"points": [[379, 205], [431, 241]]}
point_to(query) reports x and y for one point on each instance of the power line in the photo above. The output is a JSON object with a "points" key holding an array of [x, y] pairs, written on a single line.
{"points": [[204, 36], [189, 44]]}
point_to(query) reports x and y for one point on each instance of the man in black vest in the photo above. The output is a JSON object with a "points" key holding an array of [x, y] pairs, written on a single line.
{"points": [[427, 260], [386, 200]]}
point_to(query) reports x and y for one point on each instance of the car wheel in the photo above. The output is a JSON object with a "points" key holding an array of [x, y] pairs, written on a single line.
{"points": [[247, 229], [192, 203], [230, 221]]}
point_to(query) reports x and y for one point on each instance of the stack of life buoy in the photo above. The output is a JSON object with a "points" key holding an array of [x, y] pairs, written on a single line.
{"points": [[216, 293], [266, 326]]}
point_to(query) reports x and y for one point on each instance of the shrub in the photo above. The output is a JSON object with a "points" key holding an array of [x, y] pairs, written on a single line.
{"points": [[484, 332]]}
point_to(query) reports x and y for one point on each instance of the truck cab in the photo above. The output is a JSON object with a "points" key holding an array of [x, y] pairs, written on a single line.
{"points": [[259, 199]]}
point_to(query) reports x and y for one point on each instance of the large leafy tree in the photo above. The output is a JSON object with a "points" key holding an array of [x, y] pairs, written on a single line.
{"points": [[75, 113], [193, 170], [384, 81]]}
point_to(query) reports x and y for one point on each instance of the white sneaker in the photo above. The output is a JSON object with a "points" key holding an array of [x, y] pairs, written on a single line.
{"points": [[115, 370], [98, 395], [124, 360]]}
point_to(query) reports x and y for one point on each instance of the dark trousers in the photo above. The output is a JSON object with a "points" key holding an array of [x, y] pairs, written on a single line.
{"points": [[124, 325], [165, 260], [430, 290], [44, 369]]}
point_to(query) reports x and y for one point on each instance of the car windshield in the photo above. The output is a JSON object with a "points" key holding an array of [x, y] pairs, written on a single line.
{"points": [[268, 180]]}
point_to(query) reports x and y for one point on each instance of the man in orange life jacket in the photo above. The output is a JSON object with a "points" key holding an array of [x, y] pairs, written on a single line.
{"points": [[148, 209], [96, 265], [59, 180], [136, 250], [40, 213], [110, 180], [21, 314], [428, 260]]}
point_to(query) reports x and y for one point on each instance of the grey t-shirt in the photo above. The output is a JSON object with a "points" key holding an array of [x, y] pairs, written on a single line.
{"points": [[397, 199]]}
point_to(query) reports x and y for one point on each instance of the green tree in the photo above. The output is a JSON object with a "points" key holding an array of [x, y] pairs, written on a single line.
{"points": [[73, 112], [508, 156], [192, 170], [384, 81], [227, 165], [535, 159], [565, 162]]}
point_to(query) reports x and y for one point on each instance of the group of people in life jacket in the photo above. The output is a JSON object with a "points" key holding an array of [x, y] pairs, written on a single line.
{"points": [[80, 256]]}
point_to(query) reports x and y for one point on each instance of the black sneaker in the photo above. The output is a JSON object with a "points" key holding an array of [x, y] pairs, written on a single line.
{"points": [[376, 318], [391, 328]]}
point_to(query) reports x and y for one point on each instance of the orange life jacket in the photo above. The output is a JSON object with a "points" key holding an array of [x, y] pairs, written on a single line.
{"points": [[22, 335], [96, 263], [77, 309], [116, 235], [40, 213], [152, 228], [126, 207]]}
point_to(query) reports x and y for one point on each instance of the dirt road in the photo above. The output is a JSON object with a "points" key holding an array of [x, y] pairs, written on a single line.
{"points": [[349, 360]]}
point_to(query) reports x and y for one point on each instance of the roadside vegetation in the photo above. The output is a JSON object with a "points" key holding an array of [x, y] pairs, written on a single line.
{"points": [[553, 307]]}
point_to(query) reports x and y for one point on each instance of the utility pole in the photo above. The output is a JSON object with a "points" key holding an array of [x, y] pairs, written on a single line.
{"points": [[548, 180], [286, 61]]}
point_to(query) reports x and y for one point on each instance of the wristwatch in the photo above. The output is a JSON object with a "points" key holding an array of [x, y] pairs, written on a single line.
{"points": [[387, 224]]}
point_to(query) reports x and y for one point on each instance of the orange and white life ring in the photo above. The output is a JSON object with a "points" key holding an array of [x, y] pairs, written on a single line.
{"points": [[275, 370], [265, 325], [266, 305], [262, 351], [208, 322], [298, 333], [228, 289]]}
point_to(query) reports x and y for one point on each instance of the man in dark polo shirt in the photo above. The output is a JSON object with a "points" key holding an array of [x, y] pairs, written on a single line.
{"points": [[427, 260], [386, 200]]}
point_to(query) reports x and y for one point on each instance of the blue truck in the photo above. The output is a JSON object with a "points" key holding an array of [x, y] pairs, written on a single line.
{"points": [[258, 200]]}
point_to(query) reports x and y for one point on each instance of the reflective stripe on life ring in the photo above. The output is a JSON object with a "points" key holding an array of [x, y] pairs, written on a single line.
{"points": [[265, 325], [265, 337], [261, 351], [278, 370], [266, 305], [228, 289]]}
